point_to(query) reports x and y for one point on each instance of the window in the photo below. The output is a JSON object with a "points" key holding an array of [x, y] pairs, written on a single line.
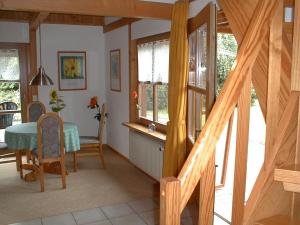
{"points": [[152, 82], [201, 79], [10, 83]]}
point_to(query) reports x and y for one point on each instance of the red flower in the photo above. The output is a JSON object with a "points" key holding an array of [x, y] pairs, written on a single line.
{"points": [[134, 94], [93, 102]]}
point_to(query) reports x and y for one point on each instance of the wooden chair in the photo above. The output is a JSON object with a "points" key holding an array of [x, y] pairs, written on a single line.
{"points": [[87, 142], [50, 146], [6, 153], [35, 110], [6, 120]]}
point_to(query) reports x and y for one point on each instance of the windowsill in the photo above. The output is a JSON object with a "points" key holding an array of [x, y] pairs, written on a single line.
{"points": [[144, 130]]}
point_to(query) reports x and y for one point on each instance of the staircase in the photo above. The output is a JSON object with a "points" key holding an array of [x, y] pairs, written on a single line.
{"points": [[263, 49]]}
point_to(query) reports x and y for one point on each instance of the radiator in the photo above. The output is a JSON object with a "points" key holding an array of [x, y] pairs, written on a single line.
{"points": [[146, 154]]}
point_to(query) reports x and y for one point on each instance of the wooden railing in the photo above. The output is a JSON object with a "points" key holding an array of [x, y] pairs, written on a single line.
{"points": [[175, 192]]}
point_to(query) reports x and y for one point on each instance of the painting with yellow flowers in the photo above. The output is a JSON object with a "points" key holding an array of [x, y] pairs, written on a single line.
{"points": [[72, 71]]}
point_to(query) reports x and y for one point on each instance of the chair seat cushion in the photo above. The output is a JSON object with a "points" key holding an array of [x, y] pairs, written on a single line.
{"points": [[89, 140], [3, 146]]}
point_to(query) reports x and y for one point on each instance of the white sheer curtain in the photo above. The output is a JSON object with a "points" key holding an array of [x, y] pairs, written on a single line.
{"points": [[145, 62], [9, 65], [161, 62], [153, 62]]}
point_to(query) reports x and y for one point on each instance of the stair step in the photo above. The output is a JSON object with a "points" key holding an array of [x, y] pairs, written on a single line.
{"points": [[278, 220], [290, 176]]}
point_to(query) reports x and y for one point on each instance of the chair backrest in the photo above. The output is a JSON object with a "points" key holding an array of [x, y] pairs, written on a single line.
{"points": [[35, 110], [102, 122], [7, 119], [50, 136]]}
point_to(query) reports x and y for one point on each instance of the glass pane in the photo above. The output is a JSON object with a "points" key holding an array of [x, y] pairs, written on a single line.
{"points": [[201, 71], [10, 92], [146, 100], [162, 104], [9, 64], [199, 113], [161, 62], [192, 58], [191, 113], [145, 56]]}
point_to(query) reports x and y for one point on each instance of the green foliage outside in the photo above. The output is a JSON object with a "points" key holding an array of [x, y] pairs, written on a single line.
{"points": [[9, 91], [226, 54]]}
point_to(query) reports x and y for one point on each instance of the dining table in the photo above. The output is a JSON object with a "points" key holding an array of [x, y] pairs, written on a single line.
{"points": [[23, 137]]}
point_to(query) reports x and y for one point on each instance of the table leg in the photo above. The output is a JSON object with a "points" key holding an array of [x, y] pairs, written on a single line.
{"points": [[19, 163], [75, 161]]}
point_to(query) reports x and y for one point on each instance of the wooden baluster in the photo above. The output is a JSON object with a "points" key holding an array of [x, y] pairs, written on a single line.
{"points": [[227, 147], [170, 201], [240, 173], [295, 86], [296, 196], [275, 49]]}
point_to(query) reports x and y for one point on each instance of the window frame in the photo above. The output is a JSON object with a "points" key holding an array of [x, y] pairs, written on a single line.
{"points": [[134, 83], [204, 17], [25, 90]]}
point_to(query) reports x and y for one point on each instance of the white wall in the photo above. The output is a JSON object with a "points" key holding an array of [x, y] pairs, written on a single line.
{"points": [[118, 102], [147, 27], [75, 38], [14, 32]]}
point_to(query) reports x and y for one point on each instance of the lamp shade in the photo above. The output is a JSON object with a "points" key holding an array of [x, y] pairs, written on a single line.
{"points": [[41, 79]]}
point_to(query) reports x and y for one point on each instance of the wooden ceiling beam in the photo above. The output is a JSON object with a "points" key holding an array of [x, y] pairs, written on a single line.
{"points": [[129, 8], [13, 16], [33, 25], [52, 18], [119, 23], [55, 18]]}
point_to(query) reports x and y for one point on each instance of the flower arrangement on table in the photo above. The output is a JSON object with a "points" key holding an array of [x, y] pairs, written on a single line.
{"points": [[94, 105], [56, 102]]}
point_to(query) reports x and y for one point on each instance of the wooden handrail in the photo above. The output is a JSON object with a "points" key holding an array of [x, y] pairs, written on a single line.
{"points": [[204, 147]]}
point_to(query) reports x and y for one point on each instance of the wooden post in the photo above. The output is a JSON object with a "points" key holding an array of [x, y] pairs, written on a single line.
{"points": [[207, 194], [170, 201], [33, 62], [273, 107], [295, 82], [296, 196], [240, 173]]}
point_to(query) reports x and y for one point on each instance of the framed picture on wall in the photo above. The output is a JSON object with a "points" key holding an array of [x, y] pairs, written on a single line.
{"points": [[72, 70], [115, 70]]}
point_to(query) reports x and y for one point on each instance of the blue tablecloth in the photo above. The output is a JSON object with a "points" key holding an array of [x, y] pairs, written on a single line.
{"points": [[24, 136]]}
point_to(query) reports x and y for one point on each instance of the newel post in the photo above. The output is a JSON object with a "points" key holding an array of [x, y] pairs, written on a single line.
{"points": [[170, 201]]}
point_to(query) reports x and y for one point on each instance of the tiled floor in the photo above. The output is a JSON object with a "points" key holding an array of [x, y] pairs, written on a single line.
{"points": [[139, 212]]}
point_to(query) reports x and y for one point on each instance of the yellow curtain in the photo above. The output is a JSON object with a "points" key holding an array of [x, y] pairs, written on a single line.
{"points": [[175, 147]]}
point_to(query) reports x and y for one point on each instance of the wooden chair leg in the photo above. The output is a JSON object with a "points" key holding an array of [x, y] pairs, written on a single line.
{"points": [[41, 176], [101, 156], [63, 174], [75, 161]]}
